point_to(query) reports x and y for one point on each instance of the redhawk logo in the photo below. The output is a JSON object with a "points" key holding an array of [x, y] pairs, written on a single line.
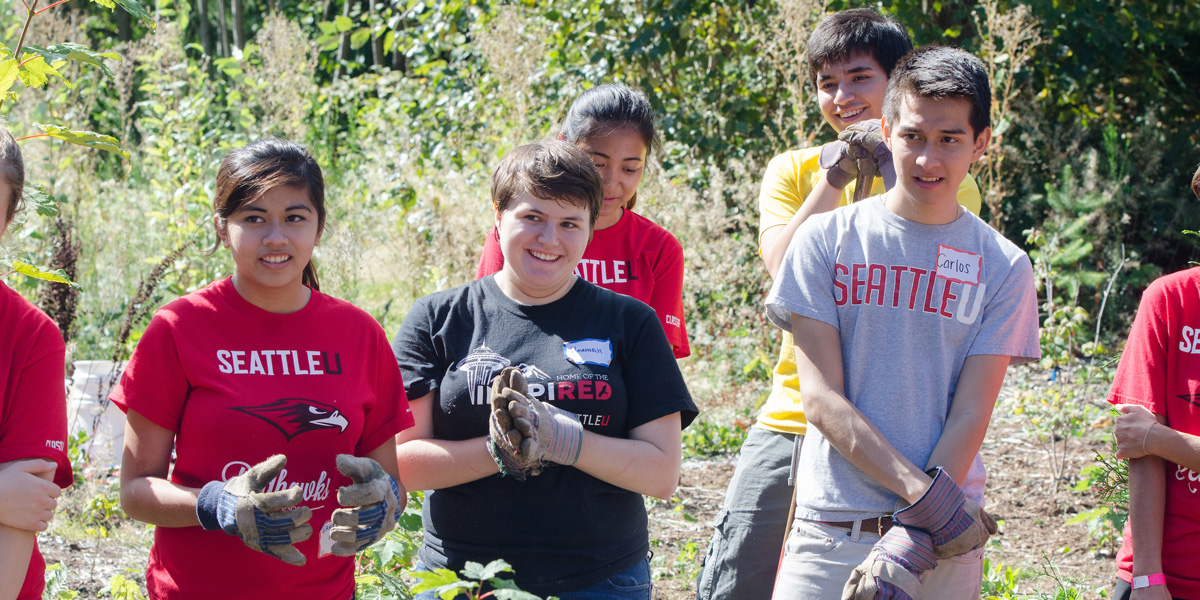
{"points": [[293, 416]]}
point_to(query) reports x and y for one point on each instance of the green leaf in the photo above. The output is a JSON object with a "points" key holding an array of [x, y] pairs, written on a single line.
{"points": [[36, 72], [8, 74], [76, 52], [513, 595], [479, 572], [36, 196], [428, 580], [360, 37], [90, 139], [106, 4], [36, 272], [343, 24], [327, 27], [136, 9]]}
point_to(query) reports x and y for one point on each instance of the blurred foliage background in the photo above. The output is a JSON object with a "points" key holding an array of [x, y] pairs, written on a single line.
{"points": [[408, 103]]}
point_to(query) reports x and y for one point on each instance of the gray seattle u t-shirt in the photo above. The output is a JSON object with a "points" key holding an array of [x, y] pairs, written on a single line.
{"points": [[911, 302]]}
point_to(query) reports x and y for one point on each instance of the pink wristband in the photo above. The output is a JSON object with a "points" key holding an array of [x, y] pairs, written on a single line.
{"points": [[1145, 581]]}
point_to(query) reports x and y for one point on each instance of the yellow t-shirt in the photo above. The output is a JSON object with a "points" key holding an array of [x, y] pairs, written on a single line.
{"points": [[789, 179]]}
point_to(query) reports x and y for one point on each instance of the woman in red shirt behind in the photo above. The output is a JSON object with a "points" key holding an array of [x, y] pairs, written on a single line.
{"points": [[628, 254]]}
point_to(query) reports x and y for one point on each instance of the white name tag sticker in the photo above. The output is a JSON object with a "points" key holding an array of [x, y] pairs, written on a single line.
{"points": [[589, 352], [958, 265]]}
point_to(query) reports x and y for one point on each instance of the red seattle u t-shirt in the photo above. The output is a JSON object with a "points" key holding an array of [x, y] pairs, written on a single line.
{"points": [[238, 384], [1160, 370]]}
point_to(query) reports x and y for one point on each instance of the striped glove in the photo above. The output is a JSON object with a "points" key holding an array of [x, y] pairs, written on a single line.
{"points": [[375, 501], [267, 522], [957, 524], [893, 569]]}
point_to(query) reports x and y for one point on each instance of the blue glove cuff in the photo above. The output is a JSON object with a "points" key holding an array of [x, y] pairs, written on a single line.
{"points": [[206, 505]]}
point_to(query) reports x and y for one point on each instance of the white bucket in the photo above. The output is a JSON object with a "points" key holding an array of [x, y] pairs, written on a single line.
{"points": [[89, 410]]}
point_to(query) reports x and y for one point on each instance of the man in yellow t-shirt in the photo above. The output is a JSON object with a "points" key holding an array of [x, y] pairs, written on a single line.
{"points": [[850, 55]]}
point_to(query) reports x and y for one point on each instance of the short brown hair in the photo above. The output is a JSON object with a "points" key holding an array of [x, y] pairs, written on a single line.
{"points": [[549, 170], [12, 171]]}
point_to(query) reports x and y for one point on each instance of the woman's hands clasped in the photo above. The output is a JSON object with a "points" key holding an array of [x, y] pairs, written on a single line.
{"points": [[525, 432]]}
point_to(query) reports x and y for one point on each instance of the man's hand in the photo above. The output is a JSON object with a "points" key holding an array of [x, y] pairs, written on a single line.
{"points": [[868, 135], [1133, 427], [957, 525], [893, 569], [266, 522], [28, 495], [375, 500], [859, 152]]}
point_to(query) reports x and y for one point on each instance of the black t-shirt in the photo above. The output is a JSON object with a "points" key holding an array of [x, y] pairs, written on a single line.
{"points": [[596, 353]]}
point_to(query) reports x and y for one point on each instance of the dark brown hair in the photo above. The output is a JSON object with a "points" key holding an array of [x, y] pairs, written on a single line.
{"points": [[549, 170], [609, 108], [845, 34], [251, 171], [941, 73], [12, 171]]}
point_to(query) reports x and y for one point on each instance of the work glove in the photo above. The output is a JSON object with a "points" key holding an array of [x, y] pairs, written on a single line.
{"points": [[375, 501], [543, 432], [266, 522], [860, 153], [512, 440], [892, 571], [957, 524]]}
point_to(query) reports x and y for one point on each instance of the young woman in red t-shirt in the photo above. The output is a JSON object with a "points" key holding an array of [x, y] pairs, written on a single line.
{"points": [[262, 369], [628, 254], [33, 414]]}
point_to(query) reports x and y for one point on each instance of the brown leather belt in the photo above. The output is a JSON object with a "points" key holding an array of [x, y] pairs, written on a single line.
{"points": [[878, 525]]}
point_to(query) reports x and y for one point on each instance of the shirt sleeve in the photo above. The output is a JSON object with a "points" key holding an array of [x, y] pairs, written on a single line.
{"points": [[389, 414], [1010, 321], [1142, 373], [968, 195], [35, 422], [415, 350], [804, 285], [652, 378], [667, 296], [155, 383], [492, 258], [783, 190]]}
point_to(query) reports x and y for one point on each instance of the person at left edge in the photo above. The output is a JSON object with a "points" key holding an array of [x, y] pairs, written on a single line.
{"points": [[255, 365], [577, 530], [33, 413]]}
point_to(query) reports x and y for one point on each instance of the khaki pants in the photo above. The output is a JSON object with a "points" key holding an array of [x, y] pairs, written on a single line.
{"points": [[819, 558]]}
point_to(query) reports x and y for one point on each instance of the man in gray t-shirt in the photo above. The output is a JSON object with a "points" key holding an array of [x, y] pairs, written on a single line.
{"points": [[906, 311]]}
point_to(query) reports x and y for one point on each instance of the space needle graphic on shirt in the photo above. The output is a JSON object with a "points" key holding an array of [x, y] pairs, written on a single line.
{"points": [[481, 365]]}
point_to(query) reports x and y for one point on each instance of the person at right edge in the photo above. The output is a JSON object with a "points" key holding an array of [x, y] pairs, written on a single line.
{"points": [[906, 311], [850, 56], [1157, 388]]}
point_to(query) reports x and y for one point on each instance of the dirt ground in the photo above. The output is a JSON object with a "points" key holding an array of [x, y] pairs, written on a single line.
{"points": [[1021, 492]]}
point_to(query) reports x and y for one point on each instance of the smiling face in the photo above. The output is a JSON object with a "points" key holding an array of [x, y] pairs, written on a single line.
{"points": [[272, 240], [933, 146], [851, 91], [542, 241], [620, 157]]}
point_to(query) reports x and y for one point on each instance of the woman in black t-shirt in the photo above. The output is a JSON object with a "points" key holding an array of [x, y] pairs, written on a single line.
{"points": [[577, 531]]}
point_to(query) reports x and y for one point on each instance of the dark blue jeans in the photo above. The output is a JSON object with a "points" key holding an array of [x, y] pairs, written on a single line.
{"points": [[632, 584]]}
